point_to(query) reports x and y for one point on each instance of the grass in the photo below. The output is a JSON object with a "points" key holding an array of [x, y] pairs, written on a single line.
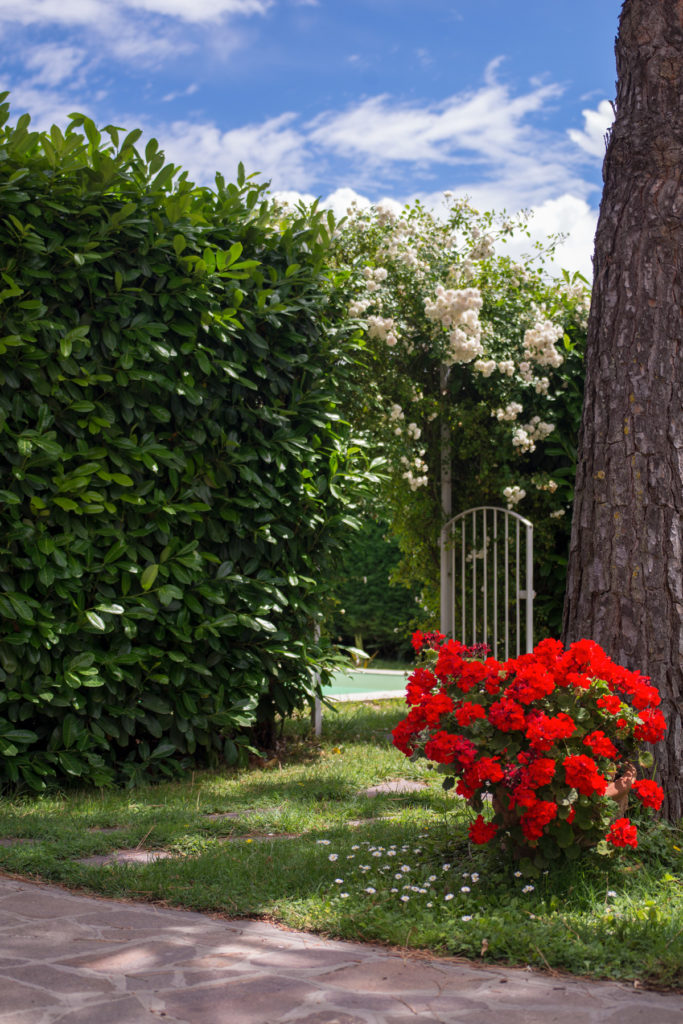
{"points": [[396, 868]]}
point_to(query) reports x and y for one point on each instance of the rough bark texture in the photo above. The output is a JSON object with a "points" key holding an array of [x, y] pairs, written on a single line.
{"points": [[625, 579]]}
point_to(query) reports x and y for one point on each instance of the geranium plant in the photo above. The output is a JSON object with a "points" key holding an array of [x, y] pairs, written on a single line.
{"points": [[542, 736]]}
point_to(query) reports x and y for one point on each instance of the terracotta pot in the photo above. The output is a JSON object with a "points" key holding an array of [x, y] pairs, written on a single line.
{"points": [[619, 789]]}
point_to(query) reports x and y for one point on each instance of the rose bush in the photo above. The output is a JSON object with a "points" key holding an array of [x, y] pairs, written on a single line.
{"points": [[542, 735]]}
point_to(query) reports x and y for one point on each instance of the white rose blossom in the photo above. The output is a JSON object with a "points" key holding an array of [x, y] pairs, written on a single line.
{"points": [[381, 327], [509, 413], [485, 366], [513, 495], [539, 343]]}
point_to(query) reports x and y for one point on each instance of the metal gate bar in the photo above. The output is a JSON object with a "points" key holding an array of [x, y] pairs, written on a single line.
{"points": [[481, 610]]}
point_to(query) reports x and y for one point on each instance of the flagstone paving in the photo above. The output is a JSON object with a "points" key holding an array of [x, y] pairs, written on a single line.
{"points": [[126, 857], [66, 958]]}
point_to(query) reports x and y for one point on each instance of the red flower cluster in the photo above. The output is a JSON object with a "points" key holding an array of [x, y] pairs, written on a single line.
{"points": [[420, 640], [532, 681], [601, 745], [420, 683], [434, 706], [622, 833], [537, 817], [486, 769], [651, 727], [468, 712], [523, 729], [543, 731], [539, 772], [450, 661], [507, 715], [610, 703], [481, 832], [649, 793], [581, 773], [444, 748]]}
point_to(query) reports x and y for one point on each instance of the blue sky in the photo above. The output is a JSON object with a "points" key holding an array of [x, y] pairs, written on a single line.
{"points": [[505, 102]]}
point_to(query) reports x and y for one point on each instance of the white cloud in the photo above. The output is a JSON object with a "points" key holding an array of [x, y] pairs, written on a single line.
{"points": [[95, 12], [68, 12], [596, 125], [200, 10], [568, 215], [51, 63], [486, 123], [341, 199], [274, 148], [134, 30]]}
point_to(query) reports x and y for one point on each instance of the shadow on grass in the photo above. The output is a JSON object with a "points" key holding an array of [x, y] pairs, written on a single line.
{"points": [[368, 722]]}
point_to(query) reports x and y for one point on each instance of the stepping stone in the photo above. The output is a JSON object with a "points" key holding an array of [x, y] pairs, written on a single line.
{"points": [[357, 822], [126, 857], [396, 786], [231, 815], [12, 841], [102, 829]]}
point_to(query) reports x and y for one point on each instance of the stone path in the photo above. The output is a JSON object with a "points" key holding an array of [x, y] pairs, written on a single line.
{"points": [[72, 959]]}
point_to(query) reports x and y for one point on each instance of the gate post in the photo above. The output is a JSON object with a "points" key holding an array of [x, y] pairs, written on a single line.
{"points": [[447, 604]]}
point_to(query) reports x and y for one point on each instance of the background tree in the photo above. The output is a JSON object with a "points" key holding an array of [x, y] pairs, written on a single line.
{"points": [[625, 579], [432, 290]]}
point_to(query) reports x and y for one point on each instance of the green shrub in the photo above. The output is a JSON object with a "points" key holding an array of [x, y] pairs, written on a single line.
{"points": [[174, 475]]}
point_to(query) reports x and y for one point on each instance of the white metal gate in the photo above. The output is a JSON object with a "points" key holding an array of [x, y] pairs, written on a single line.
{"points": [[487, 580]]}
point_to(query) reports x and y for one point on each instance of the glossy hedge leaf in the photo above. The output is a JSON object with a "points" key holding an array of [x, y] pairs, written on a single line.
{"points": [[149, 576]]}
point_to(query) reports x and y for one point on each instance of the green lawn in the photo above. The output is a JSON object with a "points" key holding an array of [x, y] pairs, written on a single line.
{"points": [[395, 868]]}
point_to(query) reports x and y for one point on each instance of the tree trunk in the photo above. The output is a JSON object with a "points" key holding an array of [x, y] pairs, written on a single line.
{"points": [[625, 576]]}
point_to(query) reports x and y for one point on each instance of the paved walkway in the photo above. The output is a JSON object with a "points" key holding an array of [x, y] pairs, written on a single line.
{"points": [[71, 959]]}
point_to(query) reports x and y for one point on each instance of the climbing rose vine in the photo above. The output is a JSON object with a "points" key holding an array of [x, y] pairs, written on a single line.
{"points": [[542, 735]]}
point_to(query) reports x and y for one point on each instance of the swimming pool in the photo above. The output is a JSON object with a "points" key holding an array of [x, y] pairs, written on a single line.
{"points": [[367, 684]]}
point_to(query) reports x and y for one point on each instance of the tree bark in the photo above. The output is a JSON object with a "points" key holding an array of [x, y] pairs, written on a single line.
{"points": [[625, 575]]}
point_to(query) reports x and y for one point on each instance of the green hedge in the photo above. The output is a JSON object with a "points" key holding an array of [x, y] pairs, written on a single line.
{"points": [[174, 475]]}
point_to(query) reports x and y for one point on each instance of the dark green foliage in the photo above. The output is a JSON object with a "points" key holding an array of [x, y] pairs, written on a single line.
{"points": [[376, 616], [173, 473]]}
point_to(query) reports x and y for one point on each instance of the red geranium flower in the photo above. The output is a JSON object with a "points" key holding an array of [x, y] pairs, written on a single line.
{"points": [[507, 715], [537, 817], [600, 744], [465, 791], [468, 712], [581, 772], [622, 833], [649, 793], [450, 661], [486, 769], [542, 730], [540, 771], [532, 681], [651, 727], [445, 748], [471, 673], [420, 682], [435, 705], [481, 832], [610, 703]]}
